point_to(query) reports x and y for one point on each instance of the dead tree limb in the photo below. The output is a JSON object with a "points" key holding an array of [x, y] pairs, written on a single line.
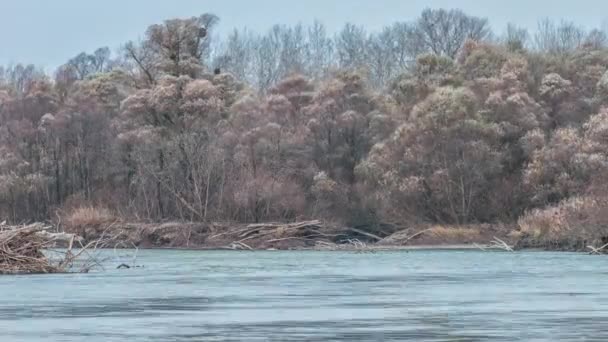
{"points": [[369, 235]]}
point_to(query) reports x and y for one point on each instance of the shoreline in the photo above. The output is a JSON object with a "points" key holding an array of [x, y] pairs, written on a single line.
{"points": [[374, 248], [315, 235]]}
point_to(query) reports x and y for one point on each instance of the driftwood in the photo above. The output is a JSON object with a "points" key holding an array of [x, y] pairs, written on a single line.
{"points": [[275, 232], [21, 251], [483, 248], [62, 238], [282, 235], [500, 244], [345, 245], [496, 243], [369, 235], [597, 251], [417, 234], [239, 246]]}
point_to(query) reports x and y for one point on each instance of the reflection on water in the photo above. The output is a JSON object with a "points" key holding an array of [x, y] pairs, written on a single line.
{"points": [[316, 296]]}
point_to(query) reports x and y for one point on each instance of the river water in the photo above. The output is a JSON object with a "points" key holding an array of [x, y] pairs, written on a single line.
{"points": [[316, 296]]}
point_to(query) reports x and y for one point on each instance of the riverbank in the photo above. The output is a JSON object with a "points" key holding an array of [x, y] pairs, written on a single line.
{"points": [[314, 234], [350, 248], [321, 235]]}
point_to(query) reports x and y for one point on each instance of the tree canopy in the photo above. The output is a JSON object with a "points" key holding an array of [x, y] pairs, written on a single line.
{"points": [[435, 120]]}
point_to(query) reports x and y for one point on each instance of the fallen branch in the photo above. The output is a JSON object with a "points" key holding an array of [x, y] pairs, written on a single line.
{"points": [[480, 247], [597, 251], [370, 235], [407, 239], [240, 245], [498, 243]]}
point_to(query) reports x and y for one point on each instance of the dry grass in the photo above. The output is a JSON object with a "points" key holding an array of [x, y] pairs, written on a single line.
{"points": [[89, 216], [579, 218], [446, 235], [454, 233], [546, 223]]}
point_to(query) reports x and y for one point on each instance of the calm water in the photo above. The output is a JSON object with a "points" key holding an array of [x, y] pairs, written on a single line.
{"points": [[316, 296]]}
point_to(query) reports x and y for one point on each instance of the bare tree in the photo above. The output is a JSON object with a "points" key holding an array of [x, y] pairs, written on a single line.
{"points": [[407, 44], [20, 78], [596, 39], [444, 31], [350, 46], [293, 48], [85, 64], [320, 51], [515, 38], [236, 54], [101, 59], [558, 38], [267, 59], [382, 57]]}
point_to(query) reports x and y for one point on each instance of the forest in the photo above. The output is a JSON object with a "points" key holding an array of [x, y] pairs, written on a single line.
{"points": [[437, 120]]}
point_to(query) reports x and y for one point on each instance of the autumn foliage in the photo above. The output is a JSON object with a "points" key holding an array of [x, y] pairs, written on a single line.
{"points": [[363, 128]]}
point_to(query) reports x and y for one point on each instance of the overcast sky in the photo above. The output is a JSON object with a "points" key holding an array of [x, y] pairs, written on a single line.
{"points": [[48, 32]]}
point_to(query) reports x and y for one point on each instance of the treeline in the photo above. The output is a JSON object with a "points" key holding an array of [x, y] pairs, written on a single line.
{"points": [[438, 120]]}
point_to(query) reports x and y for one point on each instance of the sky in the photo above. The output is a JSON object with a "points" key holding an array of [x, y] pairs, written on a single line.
{"points": [[49, 32]]}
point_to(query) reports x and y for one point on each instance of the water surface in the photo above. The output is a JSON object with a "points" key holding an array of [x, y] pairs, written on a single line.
{"points": [[316, 296]]}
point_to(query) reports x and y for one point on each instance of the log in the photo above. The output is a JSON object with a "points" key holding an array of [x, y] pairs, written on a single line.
{"points": [[370, 235], [407, 239]]}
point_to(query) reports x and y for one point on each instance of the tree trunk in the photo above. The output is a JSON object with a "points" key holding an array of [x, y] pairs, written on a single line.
{"points": [[159, 197], [207, 194]]}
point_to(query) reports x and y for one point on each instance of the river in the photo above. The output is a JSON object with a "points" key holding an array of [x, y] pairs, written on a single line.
{"points": [[423, 295]]}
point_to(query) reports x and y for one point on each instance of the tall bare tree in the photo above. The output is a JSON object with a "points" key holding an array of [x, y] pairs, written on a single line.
{"points": [[444, 31]]}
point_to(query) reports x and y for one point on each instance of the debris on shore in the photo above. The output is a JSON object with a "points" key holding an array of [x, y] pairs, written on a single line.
{"points": [[22, 251], [220, 235]]}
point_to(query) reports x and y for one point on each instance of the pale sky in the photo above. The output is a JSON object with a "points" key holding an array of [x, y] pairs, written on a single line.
{"points": [[49, 32]]}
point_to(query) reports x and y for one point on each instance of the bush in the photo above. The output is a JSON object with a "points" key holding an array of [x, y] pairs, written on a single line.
{"points": [[582, 219], [88, 216]]}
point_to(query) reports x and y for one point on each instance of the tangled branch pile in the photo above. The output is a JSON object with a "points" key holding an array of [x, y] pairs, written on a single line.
{"points": [[21, 251], [279, 235]]}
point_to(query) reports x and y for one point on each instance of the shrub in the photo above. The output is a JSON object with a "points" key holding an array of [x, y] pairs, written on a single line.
{"points": [[578, 218], [88, 216]]}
